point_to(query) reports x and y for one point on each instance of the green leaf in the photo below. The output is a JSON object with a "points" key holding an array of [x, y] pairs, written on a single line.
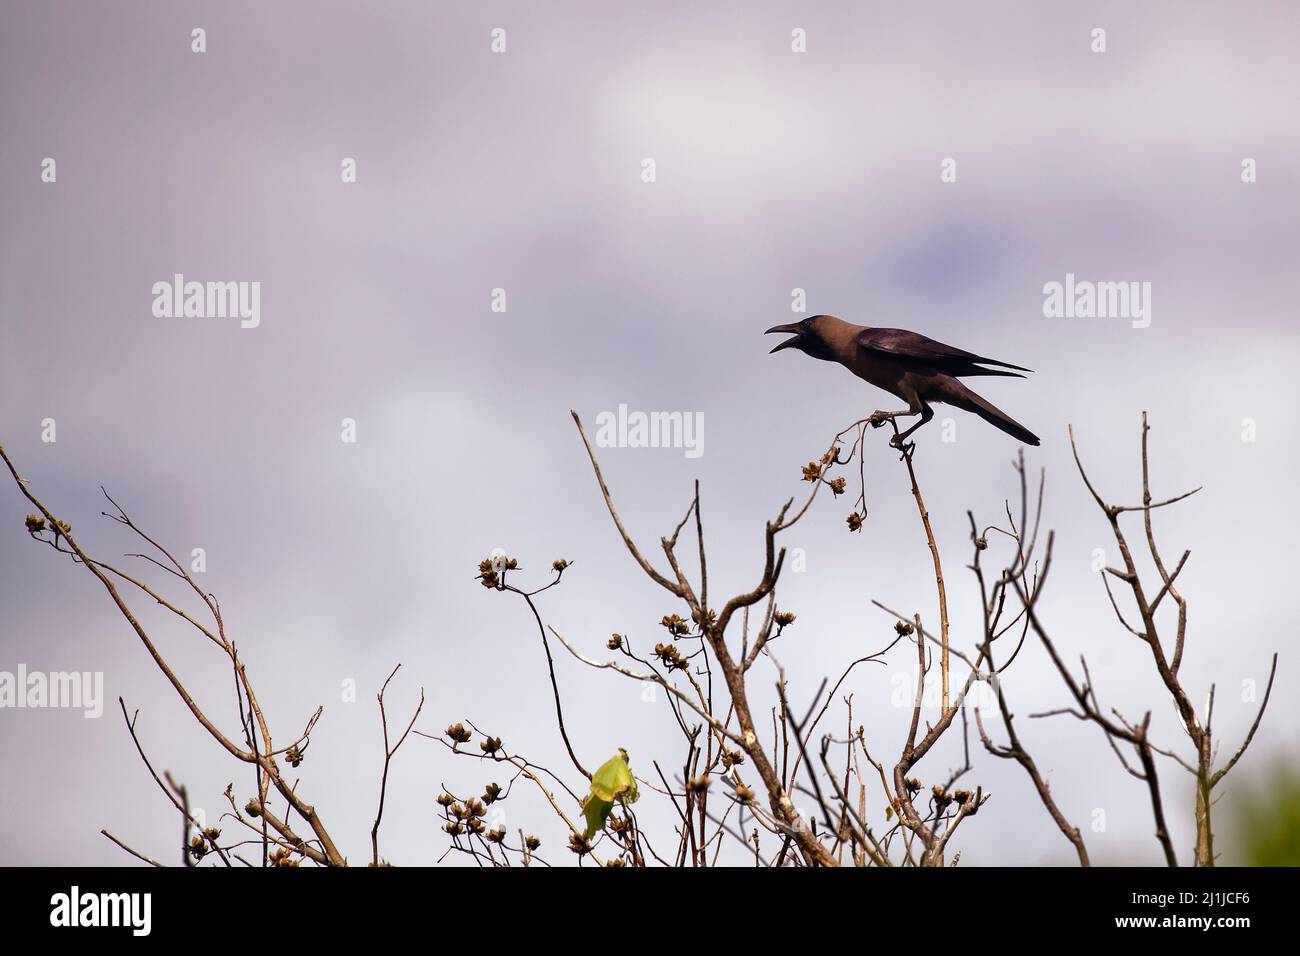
{"points": [[612, 782], [597, 812]]}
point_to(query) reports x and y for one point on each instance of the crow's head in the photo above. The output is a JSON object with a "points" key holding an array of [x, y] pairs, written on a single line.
{"points": [[811, 336]]}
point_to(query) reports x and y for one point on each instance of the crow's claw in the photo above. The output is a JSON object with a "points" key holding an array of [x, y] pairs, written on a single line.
{"points": [[876, 419]]}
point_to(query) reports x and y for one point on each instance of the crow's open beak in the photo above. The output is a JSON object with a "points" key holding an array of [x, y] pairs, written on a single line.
{"points": [[788, 329]]}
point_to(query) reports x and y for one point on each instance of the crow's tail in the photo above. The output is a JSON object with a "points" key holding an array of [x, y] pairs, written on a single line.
{"points": [[965, 398]]}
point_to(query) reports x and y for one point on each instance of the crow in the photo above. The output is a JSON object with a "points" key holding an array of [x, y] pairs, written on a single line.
{"points": [[917, 369]]}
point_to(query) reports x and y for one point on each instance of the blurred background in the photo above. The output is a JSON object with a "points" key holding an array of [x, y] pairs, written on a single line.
{"points": [[522, 171]]}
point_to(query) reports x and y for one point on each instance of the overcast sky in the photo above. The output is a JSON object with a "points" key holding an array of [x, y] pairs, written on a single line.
{"points": [[524, 171]]}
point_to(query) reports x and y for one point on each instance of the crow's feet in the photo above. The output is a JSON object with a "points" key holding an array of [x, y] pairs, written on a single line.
{"points": [[876, 419]]}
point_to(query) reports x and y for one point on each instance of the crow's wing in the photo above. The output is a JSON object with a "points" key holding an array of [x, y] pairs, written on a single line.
{"points": [[903, 344]]}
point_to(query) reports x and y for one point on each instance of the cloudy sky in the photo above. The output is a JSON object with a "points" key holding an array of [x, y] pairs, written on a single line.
{"points": [[523, 171]]}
